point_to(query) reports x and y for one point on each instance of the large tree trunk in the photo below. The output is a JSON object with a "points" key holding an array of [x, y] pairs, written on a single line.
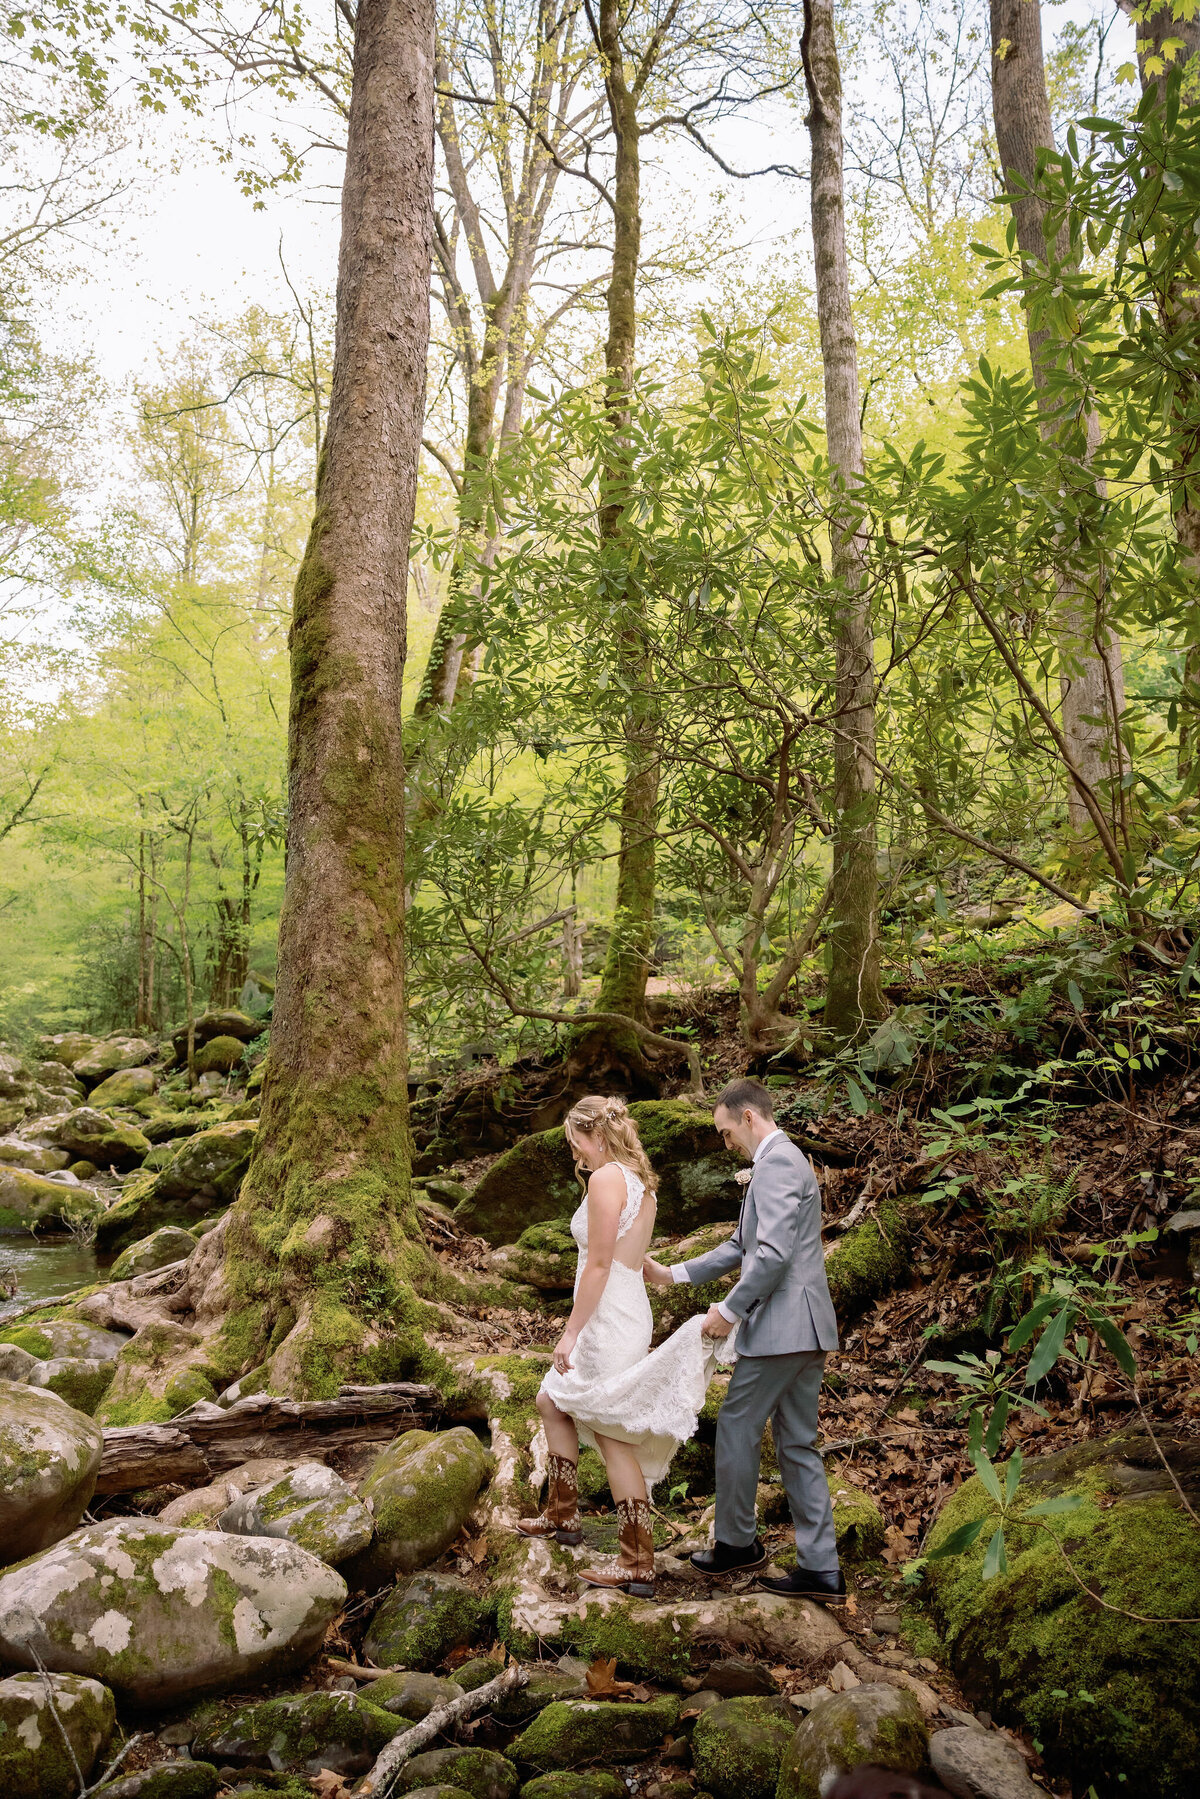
{"points": [[609, 1053], [322, 1242], [1166, 25], [854, 997], [1091, 674]]}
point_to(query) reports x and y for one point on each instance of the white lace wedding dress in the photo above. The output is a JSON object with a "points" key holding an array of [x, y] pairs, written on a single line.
{"points": [[617, 1386]]}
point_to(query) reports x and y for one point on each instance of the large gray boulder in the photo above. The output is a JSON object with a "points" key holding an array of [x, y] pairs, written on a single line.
{"points": [[874, 1724], [203, 1174], [71, 1337], [35, 1712], [33, 1202], [422, 1489], [301, 1733], [125, 1088], [49, 1460], [35, 1158], [81, 1381], [981, 1764], [65, 1047], [421, 1620], [110, 1054], [162, 1247], [311, 1506], [15, 1362], [94, 1137], [203, 1505], [163, 1614]]}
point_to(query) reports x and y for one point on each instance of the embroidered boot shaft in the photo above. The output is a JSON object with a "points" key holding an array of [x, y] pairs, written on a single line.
{"points": [[631, 1570], [561, 1518]]}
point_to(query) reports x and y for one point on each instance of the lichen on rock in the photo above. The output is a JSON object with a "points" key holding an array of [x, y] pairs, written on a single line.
{"points": [[870, 1724], [309, 1505], [49, 1459], [737, 1746], [481, 1773], [301, 1733], [423, 1619], [422, 1493], [576, 1733], [35, 1763]]}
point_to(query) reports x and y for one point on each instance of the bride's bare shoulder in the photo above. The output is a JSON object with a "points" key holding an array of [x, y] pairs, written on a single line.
{"points": [[607, 1183]]}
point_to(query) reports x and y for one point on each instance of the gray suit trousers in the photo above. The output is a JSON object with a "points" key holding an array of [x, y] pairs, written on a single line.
{"points": [[785, 1389]]}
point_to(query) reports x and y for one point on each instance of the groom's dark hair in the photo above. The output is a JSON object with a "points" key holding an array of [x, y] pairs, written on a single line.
{"points": [[740, 1094]]}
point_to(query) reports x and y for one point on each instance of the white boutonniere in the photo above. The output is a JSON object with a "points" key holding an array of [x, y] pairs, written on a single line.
{"points": [[744, 1176]]}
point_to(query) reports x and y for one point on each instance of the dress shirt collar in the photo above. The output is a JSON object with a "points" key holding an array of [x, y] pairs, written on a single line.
{"points": [[769, 1138]]}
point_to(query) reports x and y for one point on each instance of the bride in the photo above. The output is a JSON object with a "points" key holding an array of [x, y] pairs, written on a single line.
{"points": [[606, 1387]]}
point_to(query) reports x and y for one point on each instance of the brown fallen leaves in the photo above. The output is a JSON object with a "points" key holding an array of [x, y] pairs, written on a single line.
{"points": [[602, 1683]]}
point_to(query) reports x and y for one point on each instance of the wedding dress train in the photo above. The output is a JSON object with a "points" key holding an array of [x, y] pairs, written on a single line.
{"points": [[617, 1386]]}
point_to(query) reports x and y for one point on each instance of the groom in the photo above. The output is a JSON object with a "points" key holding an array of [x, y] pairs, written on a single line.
{"points": [[787, 1324]]}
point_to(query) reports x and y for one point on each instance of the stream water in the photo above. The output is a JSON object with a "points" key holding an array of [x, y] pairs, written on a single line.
{"points": [[42, 1268]]}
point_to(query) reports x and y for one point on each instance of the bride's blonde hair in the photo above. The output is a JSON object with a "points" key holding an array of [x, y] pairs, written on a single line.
{"points": [[610, 1121]]}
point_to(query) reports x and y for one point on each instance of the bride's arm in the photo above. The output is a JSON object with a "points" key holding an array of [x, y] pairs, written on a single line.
{"points": [[606, 1196]]}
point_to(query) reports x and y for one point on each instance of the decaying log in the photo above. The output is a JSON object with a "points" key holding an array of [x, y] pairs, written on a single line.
{"points": [[196, 1448]]}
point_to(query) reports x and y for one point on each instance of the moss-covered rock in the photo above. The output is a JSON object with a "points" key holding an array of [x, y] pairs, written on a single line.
{"points": [[301, 1733], [575, 1733], [858, 1523], [535, 1180], [220, 1055], [158, 1250], [49, 1459], [30, 1202], [544, 1686], [204, 1172], [34, 1158], [480, 1772], [592, 1783], [872, 1257], [210, 1025], [544, 1256], [477, 1672], [162, 1614], [100, 1139], [737, 1746], [35, 1763], [106, 1056], [873, 1724], [412, 1695], [80, 1381], [1114, 1701], [423, 1619], [47, 1337], [161, 1371], [310, 1505], [15, 1363], [124, 1088], [201, 1508], [167, 1780], [64, 1047], [422, 1493]]}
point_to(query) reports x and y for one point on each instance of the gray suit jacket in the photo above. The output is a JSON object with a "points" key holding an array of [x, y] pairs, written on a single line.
{"points": [[782, 1297]]}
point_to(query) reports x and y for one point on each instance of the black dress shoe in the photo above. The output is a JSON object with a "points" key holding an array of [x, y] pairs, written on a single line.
{"points": [[828, 1587], [723, 1558]]}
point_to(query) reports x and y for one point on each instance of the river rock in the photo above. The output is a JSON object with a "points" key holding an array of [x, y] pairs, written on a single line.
{"points": [[217, 1024], [34, 1202], [980, 1764], [544, 1256], [48, 1337], [165, 1780], [737, 1746], [166, 1614], [736, 1678], [125, 1087], [15, 1362], [65, 1047], [535, 1180], [220, 1055], [16, 1152], [94, 1135], [108, 1055], [544, 1686], [1031, 1646], [477, 1672], [480, 1772], [575, 1733], [81, 1381], [158, 1250], [162, 1370], [203, 1505], [49, 1460], [16, 1079], [422, 1489], [301, 1733], [34, 1760], [423, 1619], [310, 1505], [205, 1172], [412, 1695], [870, 1724], [564, 1783]]}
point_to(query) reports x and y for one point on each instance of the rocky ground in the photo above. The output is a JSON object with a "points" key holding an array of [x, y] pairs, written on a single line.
{"points": [[238, 1624]]}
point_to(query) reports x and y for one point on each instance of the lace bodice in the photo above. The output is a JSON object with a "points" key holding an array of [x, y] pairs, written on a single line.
{"points": [[635, 1190]]}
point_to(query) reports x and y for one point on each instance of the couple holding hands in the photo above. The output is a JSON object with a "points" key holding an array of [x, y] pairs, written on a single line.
{"points": [[636, 1405]]}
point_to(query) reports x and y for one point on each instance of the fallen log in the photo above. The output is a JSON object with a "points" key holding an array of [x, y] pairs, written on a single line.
{"points": [[401, 1748], [197, 1448]]}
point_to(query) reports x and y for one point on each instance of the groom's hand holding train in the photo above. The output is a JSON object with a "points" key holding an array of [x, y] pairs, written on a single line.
{"points": [[781, 1302]]}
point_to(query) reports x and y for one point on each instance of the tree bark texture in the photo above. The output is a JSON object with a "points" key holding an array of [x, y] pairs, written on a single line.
{"points": [[854, 997], [323, 1235], [1091, 672], [627, 964]]}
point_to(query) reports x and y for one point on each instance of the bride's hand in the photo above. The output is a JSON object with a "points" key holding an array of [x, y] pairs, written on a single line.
{"points": [[563, 1350]]}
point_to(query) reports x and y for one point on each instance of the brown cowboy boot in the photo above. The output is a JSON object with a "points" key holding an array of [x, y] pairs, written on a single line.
{"points": [[632, 1569], [560, 1519]]}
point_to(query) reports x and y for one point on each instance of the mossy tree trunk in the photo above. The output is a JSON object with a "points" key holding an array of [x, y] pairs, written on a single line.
{"points": [[321, 1245], [606, 1051], [854, 996], [1091, 678]]}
